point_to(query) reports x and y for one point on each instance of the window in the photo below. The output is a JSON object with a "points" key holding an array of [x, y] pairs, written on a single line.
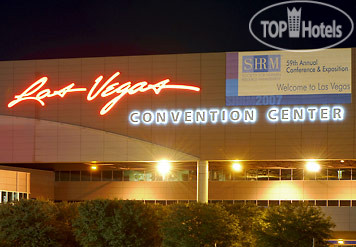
{"points": [[286, 174], [75, 176], [65, 175], [239, 202], [251, 202], [96, 176], [85, 175], [297, 174], [321, 203], [308, 175], [10, 196], [228, 175], [273, 203], [344, 174], [262, 174], [286, 202], [150, 176], [4, 196], [310, 202], [184, 175], [333, 174], [273, 174], [345, 203], [117, 175], [217, 175], [322, 174], [239, 175], [192, 175], [262, 203], [56, 176], [134, 175], [333, 203], [107, 175], [251, 174]]}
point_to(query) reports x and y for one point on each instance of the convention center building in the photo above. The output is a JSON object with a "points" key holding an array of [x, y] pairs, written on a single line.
{"points": [[261, 127]]}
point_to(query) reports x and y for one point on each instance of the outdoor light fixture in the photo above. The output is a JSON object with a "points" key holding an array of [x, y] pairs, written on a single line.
{"points": [[94, 168], [340, 242], [163, 167], [237, 167], [342, 161], [313, 166]]}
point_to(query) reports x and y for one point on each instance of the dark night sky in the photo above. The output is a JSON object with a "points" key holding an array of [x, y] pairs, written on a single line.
{"points": [[64, 29]]}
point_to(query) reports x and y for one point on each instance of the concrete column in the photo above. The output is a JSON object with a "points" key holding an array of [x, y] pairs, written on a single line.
{"points": [[202, 181]]}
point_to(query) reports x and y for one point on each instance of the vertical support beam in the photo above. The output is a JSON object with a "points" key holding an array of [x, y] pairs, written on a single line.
{"points": [[202, 181]]}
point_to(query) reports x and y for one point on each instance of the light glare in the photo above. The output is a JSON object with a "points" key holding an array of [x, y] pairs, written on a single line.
{"points": [[312, 166], [237, 167], [94, 167], [163, 167]]}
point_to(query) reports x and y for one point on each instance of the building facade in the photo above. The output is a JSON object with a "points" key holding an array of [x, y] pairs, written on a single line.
{"points": [[271, 112]]}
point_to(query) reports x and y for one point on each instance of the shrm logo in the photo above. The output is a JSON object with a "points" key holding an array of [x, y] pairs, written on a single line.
{"points": [[261, 63], [294, 25]]}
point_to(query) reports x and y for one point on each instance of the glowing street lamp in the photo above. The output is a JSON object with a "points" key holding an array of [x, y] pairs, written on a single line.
{"points": [[313, 166], [163, 167], [237, 167]]}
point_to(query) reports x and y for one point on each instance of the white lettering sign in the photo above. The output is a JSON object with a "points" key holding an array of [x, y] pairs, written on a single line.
{"points": [[237, 115]]}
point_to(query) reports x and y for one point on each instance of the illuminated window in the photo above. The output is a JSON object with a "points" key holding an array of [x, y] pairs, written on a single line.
{"points": [[192, 175], [134, 175], [262, 174], [3, 196], [150, 176], [251, 174], [273, 174]]}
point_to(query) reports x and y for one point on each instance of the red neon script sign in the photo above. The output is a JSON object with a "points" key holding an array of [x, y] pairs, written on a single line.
{"points": [[36, 93]]}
